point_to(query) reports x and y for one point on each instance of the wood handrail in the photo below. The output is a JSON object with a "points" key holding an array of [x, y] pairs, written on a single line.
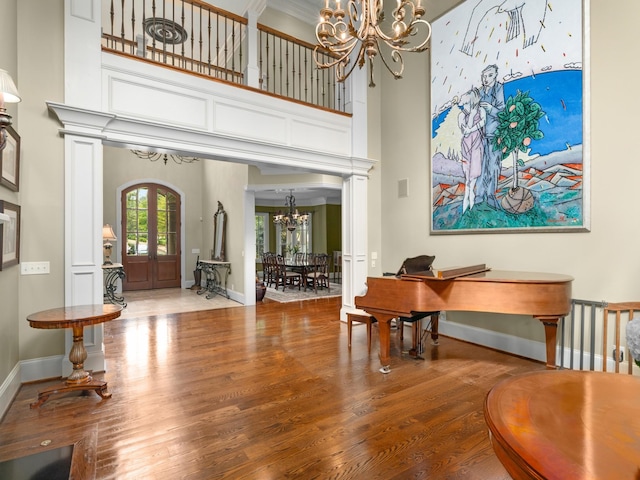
{"points": [[297, 41], [214, 9]]}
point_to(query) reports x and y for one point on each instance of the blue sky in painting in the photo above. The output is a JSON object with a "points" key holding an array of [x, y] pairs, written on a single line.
{"points": [[560, 95]]}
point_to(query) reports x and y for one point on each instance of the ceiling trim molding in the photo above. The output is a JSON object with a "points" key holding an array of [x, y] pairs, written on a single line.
{"points": [[304, 11]]}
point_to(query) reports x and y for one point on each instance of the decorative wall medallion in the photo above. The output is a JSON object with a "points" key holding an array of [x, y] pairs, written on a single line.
{"points": [[165, 31]]}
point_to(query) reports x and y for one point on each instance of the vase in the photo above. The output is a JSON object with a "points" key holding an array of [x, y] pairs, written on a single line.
{"points": [[261, 289]]}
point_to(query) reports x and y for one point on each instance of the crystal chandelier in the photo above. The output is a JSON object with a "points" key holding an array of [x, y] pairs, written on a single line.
{"points": [[291, 219], [360, 24], [155, 156]]}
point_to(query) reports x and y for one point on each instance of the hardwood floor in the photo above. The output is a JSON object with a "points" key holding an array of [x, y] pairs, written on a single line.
{"points": [[272, 392]]}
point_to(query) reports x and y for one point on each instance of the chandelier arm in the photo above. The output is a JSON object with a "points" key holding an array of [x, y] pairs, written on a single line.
{"points": [[343, 76], [397, 43], [397, 58], [361, 21]]}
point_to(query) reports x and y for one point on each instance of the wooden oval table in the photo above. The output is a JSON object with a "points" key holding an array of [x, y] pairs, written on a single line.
{"points": [[566, 424], [76, 318]]}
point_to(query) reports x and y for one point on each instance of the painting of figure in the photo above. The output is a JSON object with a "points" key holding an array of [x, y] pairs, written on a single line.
{"points": [[507, 98]]}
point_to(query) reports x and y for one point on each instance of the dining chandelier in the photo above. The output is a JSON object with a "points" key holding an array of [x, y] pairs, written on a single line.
{"points": [[360, 25], [292, 218], [155, 156]]}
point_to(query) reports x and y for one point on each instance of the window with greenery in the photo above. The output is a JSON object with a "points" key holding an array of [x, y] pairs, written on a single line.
{"points": [[262, 235], [138, 221], [167, 228], [297, 241]]}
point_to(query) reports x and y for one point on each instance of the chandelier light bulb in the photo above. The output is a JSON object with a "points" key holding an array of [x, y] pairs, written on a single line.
{"points": [[290, 219], [357, 33]]}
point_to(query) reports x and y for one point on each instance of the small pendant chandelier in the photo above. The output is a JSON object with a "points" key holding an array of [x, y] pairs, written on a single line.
{"points": [[292, 218]]}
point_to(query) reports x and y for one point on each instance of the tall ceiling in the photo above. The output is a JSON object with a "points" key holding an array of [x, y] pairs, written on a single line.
{"points": [[309, 11]]}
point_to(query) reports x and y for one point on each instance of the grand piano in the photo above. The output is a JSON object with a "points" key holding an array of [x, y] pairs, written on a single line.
{"points": [[544, 296]]}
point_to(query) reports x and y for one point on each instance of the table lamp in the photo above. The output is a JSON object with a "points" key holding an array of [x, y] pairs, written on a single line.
{"points": [[108, 236], [8, 94]]}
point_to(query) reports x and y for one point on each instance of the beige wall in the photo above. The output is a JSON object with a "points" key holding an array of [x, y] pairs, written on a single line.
{"points": [[9, 290], [605, 262], [225, 182], [40, 78]]}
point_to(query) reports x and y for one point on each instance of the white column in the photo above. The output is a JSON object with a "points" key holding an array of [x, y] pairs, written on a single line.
{"points": [[82, 54], [354, 241], [252, 73], [83, 239], [249, 247]]}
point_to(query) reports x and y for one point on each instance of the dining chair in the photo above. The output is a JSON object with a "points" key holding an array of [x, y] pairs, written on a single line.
{"points": [[269, 269], [336, 266], [286, 277], [318, 272]]}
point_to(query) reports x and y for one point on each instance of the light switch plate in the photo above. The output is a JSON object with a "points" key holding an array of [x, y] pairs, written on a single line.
{"points": [[34, 268]]}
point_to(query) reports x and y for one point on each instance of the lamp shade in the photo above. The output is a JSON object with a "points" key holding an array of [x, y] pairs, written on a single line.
{"points": [[8, 89], [107, 233]]}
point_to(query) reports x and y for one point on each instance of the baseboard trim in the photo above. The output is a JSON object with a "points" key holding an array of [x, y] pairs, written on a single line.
{"points": [[9, 389], [498, 341], [42, 368]]}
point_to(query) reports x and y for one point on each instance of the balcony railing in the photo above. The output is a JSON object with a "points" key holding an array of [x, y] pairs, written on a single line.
{"points": [[200, 39]]}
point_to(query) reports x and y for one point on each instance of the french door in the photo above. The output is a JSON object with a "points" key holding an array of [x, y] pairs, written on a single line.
{"points": [[151, 229]]}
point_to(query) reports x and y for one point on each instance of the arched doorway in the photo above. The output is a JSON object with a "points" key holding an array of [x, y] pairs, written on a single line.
{"points": [[151, 231]]}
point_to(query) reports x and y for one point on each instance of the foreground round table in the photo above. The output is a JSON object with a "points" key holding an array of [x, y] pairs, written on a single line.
{"points": [[566, 425], [76, 318]]}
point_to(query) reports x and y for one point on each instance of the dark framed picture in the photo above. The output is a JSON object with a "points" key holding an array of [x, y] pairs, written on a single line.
{"points": [[9, 235], [10, 161]]}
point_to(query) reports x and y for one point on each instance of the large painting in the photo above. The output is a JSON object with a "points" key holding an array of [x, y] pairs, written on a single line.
{"points": [[508, 117]]}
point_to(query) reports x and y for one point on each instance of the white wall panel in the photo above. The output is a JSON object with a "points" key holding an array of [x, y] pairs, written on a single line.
{"points": [[83, 10], [150, 93], [319, 136], [240, 119], [152, 101], [82, 205]]}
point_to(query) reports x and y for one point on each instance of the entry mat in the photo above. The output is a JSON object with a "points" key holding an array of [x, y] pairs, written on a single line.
{"points": [[52, 464]]}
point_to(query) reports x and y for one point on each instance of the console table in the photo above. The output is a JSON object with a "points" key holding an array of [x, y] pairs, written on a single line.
{"points": [[76, 318], [216, 274], [112, 272]]}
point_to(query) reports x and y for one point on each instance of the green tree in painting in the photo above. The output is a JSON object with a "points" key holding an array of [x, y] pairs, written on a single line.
{"points": [[518, 127]]}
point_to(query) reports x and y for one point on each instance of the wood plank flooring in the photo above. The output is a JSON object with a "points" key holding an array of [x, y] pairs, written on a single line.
{"points": [[272, 392]]}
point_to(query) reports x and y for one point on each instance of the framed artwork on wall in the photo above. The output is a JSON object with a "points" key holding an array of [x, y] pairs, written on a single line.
{"points": [[509, 150], [10, 235], [10, 161]]}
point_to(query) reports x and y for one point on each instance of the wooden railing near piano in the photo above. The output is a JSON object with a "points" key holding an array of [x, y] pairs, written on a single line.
{"points": [[199, 39], [593, 337]]}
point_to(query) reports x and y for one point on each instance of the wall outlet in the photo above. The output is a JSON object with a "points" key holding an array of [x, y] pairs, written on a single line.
{"points": [[613, 353], [34, 268], [195, 250]]}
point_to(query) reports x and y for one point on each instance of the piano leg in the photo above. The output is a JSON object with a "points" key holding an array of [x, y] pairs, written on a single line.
{"points": [[384, 333], [550, 331], [435, 317]]}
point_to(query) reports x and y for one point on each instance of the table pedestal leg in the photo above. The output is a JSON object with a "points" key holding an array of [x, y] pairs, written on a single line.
{"points": [[79, 379]]}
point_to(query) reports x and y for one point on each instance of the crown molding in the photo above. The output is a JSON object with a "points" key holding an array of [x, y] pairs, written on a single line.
{"points": [[305, 10]]}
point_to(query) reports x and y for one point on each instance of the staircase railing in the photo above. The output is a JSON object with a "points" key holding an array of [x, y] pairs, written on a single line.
{"points": [[592, 337], [197, 38]]}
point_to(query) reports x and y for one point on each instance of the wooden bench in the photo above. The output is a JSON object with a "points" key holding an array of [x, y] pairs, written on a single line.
{"points": [[365, 318]]}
